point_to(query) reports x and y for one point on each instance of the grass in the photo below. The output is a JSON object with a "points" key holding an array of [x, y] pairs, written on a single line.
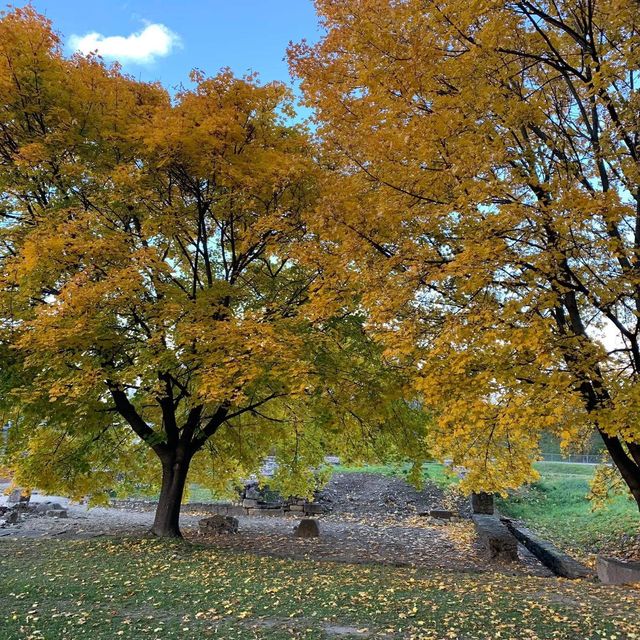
{"points": [[134, 589], [557, 507], [194, 493], [198, 493], [548, 469], [431, 471]]}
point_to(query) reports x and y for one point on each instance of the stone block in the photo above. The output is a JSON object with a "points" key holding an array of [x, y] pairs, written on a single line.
{"points": [[43, 507], [271, 511], [495, 539], [308, 528], [560, 563], [250, 503], [313, 508], [482, 503], [441, 514], [252, 492], [613, 571], [218, 524], [57, 513]]}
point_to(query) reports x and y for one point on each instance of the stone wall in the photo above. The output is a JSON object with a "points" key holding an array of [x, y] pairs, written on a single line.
{"points": [[297, 507], [560, 563]]}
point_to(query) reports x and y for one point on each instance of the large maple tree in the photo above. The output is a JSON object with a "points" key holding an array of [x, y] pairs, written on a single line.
{"points": [[484, 166], [151, 298]]}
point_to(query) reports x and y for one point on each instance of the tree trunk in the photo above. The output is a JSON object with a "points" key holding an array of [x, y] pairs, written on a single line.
{"points": [[596, 396], [167, 520], [629, 470]]}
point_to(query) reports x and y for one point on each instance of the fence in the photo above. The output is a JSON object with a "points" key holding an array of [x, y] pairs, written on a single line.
{"points": [[579, 458]]}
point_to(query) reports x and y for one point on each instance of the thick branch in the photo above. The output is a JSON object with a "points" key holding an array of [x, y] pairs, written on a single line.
{"points": [[126, 409]]}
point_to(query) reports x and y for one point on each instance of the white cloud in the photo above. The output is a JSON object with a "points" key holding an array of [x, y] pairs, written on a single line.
{"points": [[154, 41]]}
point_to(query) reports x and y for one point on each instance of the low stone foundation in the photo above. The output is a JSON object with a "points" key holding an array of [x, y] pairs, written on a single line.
{"points": [[612, 571], [560, 563], [495, 539], [230, 508]]}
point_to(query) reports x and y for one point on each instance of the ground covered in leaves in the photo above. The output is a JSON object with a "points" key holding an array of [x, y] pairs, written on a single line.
{"points": [[414, 543], [104, 589], [373, 519]]}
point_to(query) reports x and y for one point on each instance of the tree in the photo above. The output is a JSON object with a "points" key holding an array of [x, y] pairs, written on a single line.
{"points": [[485, 161], [150, 288]]}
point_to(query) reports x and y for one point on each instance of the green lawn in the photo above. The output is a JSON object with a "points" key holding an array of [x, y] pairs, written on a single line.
{"points": [[548, 469], [557, 506], [431, 471], [103, 590]]}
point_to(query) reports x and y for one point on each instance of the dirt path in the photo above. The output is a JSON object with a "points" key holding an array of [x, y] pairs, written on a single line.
{"points": [[450, 546], [373, 519]]}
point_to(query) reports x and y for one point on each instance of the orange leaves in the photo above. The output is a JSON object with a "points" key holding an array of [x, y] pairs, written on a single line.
{"points": [[479, 204], [156, 257], [228, 128]]}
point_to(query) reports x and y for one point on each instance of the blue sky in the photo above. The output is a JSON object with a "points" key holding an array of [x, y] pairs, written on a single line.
{"points": [[164, 39]]}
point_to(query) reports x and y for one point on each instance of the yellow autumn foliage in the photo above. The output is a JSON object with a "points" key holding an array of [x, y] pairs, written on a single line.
{"points": [[482, 193], [151, 291]]}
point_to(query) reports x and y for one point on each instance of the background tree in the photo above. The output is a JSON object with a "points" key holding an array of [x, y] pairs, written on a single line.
{"points": [[150, 289], [487, 175]]}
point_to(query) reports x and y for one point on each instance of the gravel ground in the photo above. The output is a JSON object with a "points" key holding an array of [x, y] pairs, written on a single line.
{"points": [[363, 496], [373, 519]]}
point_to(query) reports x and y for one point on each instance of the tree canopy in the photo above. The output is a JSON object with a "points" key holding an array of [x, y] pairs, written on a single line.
{"points": [[450, 268], [484, 197], [151, 294]]}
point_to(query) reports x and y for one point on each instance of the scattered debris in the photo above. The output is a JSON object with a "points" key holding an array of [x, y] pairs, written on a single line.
{"points": [[362, 496], [12, 517], [57, 513]]}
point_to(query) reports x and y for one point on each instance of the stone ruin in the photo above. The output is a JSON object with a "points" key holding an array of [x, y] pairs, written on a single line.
{"points": [[19, 506], [254, 499], [483, 503], [257, 499]]}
